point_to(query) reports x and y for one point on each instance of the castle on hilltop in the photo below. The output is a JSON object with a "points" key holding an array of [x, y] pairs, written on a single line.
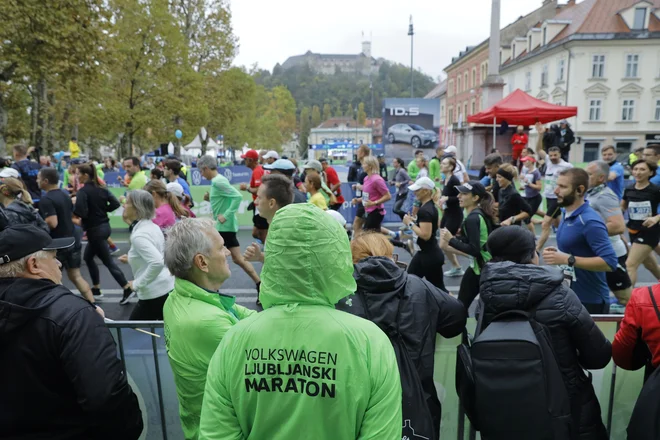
{"points": [[327, 64]]}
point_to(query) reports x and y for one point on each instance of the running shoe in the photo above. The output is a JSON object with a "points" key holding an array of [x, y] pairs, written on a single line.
{"points": [[114, 250], [97, 293], [455, 272], [128, 294]]}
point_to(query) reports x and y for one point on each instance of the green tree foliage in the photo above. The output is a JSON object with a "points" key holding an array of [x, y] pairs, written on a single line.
{"points": [[316, 116], [309, 88], [327, 111], [362, 115]]}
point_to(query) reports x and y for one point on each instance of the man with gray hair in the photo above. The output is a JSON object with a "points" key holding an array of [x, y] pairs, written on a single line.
{"points": [[60, 360], [606, 203], [225, 201], [196, 315]]}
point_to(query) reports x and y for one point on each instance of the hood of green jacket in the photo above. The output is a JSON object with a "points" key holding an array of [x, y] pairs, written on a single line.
{"points": [[307, 259]]}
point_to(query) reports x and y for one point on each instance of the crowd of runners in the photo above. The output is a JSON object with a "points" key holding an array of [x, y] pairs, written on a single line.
{"points": [[239, 373]]}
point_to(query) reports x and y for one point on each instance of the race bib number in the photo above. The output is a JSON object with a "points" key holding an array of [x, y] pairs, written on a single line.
{"points": [[569, 275], [639, 210], [365, 197]]}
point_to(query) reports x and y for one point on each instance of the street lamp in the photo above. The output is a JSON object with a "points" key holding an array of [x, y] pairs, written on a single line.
{"points": [[411, 33]]}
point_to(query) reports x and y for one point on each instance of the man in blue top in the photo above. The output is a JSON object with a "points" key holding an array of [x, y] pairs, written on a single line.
{"points": [[615, 179], [651, 153], [172, 173], [585, 251]]}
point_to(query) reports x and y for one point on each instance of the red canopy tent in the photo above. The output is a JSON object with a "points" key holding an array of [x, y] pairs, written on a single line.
{"points": [[519, 108]]}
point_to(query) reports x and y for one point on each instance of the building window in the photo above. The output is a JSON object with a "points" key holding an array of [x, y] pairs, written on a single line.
{"points": [[450, 115], [474, 77], [465, 81], [628, 110], [640, 19], [512, 83], [474, 108], [591, 150], [486, 66], [544, 75], [560, 70], [545, 36], [595, 108], [458, 84], [598, 66], [528, 81], [465, 110], [632, 62], [657, 110]]}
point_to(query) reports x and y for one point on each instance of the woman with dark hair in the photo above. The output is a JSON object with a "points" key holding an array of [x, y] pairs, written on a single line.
{"points": [[513, 280], [93, 203], [452, 213], [395, 300], [479, 206], [512, 208], [401, 181], [641, 201]]}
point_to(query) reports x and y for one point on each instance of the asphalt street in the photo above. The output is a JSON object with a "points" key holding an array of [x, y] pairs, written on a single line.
{"points": [[239, 284]]}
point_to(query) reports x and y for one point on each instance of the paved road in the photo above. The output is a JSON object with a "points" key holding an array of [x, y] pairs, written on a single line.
{"points": [[239, 284]]}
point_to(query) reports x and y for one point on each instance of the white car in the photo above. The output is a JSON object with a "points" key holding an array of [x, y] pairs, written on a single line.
{"points": [[412, 134]]}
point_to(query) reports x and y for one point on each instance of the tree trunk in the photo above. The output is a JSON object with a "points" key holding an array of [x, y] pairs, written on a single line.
{"points": [[33, 115], [3, 126], [129, 138], [40, 137], [51, 140]]}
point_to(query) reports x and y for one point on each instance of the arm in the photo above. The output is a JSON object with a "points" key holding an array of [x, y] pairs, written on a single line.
{"points": [[594, 350], [600, 244], [47, 211], [537, 185], [236, 199], [451, 189], [625, 340], [382, 419], [424, 230], [452, 315], [81, 209], [89, 359], [523, 207], [243, 312], [113, 203], [471, 243], [218, 420], [152, 257]]}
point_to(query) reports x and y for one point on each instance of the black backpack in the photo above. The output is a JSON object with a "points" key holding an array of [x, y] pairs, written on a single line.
{"points": [[509, 383], [417, 419]]}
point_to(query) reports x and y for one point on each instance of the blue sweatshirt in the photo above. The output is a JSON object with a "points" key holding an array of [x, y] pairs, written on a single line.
{"points": [[584, 234], [616, 185]]}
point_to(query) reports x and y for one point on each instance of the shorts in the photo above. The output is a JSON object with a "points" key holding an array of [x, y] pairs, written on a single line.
{"points": [[552, 208], [70, 258], [648, 237], [360, 213], [516, 153], [373, 221], [230, 238], [259, 222], [619, 279], [534, 203]]}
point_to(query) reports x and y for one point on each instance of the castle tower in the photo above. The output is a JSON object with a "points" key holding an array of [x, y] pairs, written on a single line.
{"points": [[366, 48]]}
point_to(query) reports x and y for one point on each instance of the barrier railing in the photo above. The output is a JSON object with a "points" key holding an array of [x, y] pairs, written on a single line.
{"points": [[145, 362]]}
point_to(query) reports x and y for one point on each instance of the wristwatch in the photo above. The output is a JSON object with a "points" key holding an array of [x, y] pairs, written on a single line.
{"points": [[571, 261]]}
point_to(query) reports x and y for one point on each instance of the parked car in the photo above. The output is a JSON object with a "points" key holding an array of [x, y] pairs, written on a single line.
{"points": [[412, 134]]}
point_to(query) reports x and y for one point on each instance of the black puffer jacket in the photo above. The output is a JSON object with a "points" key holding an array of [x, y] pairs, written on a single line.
{"points": [[20, 213], [577, 341], [426, 311]]}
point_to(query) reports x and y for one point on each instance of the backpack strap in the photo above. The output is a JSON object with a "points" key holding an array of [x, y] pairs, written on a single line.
{"points": [[655, 306]]}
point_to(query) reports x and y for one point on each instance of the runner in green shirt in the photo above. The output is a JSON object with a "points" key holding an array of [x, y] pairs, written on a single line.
{"points": [[225, 202], [138, 178], [413, 169]]}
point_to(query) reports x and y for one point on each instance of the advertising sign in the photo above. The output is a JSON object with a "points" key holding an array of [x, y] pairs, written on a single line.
{"points": [[410, 124]]}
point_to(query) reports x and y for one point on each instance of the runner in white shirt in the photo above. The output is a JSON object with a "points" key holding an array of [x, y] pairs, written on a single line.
{"points": [[554, 165], [460, 172]]}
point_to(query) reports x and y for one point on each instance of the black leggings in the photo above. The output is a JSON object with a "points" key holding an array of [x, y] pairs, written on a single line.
{"points": [[469, 288], [373, 221], [149, 309], [452, 219], [428, 264], [97, 246], [398, 205]]}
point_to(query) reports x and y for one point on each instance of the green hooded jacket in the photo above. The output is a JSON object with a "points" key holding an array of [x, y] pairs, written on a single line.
{"points": [[413, 169], [196, 320], [301, 369]]}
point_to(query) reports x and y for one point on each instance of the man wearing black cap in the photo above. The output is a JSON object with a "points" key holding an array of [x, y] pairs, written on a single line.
{"points": [[382, 167], [61, 377]]}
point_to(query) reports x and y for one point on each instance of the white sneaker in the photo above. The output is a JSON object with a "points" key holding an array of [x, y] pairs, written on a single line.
{"points": [[455, 272]]}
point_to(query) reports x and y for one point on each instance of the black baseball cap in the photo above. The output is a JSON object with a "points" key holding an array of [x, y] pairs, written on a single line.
{"points": [[323, 159], [474, 187], [19, 241]]}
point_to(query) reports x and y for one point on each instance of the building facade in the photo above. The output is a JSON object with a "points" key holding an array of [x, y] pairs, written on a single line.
{"points": [[440, 92], [602, 56], [328, 64], [340, 130]]}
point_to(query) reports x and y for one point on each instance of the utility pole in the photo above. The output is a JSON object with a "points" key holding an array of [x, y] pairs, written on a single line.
{"points": [[411, 33]]}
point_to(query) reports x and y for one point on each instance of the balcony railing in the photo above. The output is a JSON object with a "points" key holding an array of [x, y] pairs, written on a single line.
{"points": [[148, 370]]}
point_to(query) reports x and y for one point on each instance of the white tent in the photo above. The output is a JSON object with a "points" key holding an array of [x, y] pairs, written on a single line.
{"points": [[194, 148]]}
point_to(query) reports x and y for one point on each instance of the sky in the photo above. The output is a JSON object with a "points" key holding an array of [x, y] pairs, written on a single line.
{"points": [[269, 31]]}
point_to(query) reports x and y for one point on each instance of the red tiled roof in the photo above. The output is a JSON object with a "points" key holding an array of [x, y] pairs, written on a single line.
{"points": [[577, 14]]}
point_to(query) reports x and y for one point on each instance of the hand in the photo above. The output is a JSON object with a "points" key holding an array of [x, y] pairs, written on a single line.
{"points": [[122, 199], [120, 179], [445, 235], [553, 257], [358, 187], [221, 218], [369, 203], [651, 221], [355, 201], [443, 200], [539, 128], [254, 253], [123, 259], [206, 196], [507, 222], [100, 312], [407, 220], [243, 186]]}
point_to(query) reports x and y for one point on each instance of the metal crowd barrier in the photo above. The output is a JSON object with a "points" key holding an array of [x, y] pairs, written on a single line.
{"points": [[120, 328]]}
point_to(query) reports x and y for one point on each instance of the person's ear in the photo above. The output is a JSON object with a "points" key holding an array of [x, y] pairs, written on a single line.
{"points": [[32, 266], [200, 262]]}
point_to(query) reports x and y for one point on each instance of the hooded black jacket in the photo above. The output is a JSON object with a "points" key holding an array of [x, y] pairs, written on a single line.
{"points": [[20, 213], [60, 378], [427, 310], [577, 341]]}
